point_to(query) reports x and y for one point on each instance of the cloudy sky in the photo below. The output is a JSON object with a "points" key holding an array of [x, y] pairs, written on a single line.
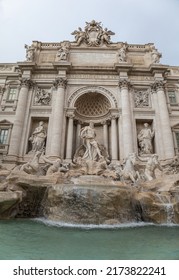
{"points": [[133, 21]]}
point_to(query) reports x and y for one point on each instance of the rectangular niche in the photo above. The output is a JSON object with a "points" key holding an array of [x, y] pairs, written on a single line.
{"points": [[145, 137], [37, 136]]}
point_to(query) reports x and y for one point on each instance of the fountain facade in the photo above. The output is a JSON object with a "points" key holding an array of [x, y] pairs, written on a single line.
{"points": [[87, 136]]}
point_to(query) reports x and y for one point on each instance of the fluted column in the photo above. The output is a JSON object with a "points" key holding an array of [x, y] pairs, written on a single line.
{"points": [[21, 111], [114, 145], [158, 86], [126, 117], [78, 139], [57, 116], [69, 146], [105, 134]]}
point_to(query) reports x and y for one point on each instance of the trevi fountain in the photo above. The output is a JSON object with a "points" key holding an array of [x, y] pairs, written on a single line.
{"points": [[89, 139]]}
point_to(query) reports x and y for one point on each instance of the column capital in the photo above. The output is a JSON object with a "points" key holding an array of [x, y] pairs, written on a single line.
{"points": [[158, 85], [70, 115], [114, 116], [124, 83], [27, 82], [60, 82]]}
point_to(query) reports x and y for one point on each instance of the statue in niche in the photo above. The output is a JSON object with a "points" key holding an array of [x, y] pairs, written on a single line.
{"points": [[88, 135], [38, 138], [122, 53], [145, 137], [29, 53]]}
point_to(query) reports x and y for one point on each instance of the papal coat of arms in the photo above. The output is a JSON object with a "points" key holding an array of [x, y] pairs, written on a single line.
{"points": [[93, 34]]}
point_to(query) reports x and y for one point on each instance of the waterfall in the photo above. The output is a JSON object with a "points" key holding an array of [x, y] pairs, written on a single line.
{"points": [[168, 206], [170, 212]]}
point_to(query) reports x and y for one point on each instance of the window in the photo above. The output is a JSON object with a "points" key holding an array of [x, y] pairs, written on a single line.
{"points": [[172, 97], [3, 136], [12, 94]]}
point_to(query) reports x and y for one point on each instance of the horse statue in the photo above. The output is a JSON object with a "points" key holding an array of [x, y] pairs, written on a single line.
{"points": [[129, 172]]}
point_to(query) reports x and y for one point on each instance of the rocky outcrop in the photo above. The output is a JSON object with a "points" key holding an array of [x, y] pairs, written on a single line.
{"points": [[95, 204], [90, 199]]}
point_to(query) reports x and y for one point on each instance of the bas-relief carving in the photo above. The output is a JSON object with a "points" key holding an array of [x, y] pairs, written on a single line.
{"points": [[141, 98], [42, 97], [6, 68], [93, 34]]}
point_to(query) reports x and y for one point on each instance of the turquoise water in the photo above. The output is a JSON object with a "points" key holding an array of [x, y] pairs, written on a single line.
{"points": [[33, 239]]}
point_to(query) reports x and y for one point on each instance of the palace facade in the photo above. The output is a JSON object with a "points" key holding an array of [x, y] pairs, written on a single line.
{"points": [[65, 85]]}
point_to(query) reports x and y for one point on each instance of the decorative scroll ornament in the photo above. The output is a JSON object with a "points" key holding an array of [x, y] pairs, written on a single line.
{"points": [[63, 51], [93, 34], [42, 97], [141, 98]]}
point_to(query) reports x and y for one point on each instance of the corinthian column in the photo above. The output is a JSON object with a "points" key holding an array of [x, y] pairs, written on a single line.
{"points": [[69, 146], [166, 132], [105, 134], [78, 140], [57, 116], [21, 111], [126, 118], [114, 145]]}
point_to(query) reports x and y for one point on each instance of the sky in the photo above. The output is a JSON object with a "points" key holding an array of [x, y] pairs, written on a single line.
{"points": [[133, 21]]}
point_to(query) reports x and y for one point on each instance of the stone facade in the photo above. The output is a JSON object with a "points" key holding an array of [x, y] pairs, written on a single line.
{"points": [[65, 85]]}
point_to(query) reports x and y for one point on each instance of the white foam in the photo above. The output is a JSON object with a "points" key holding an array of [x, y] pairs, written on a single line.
{"points": [[91, 226]]}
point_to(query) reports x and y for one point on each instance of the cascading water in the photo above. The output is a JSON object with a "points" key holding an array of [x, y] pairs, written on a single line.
{"points": [[168, 207]]}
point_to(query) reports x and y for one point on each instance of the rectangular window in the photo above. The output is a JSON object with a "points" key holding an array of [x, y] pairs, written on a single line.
{"points": [[172, 97], [3, 136], [12, 94]]}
